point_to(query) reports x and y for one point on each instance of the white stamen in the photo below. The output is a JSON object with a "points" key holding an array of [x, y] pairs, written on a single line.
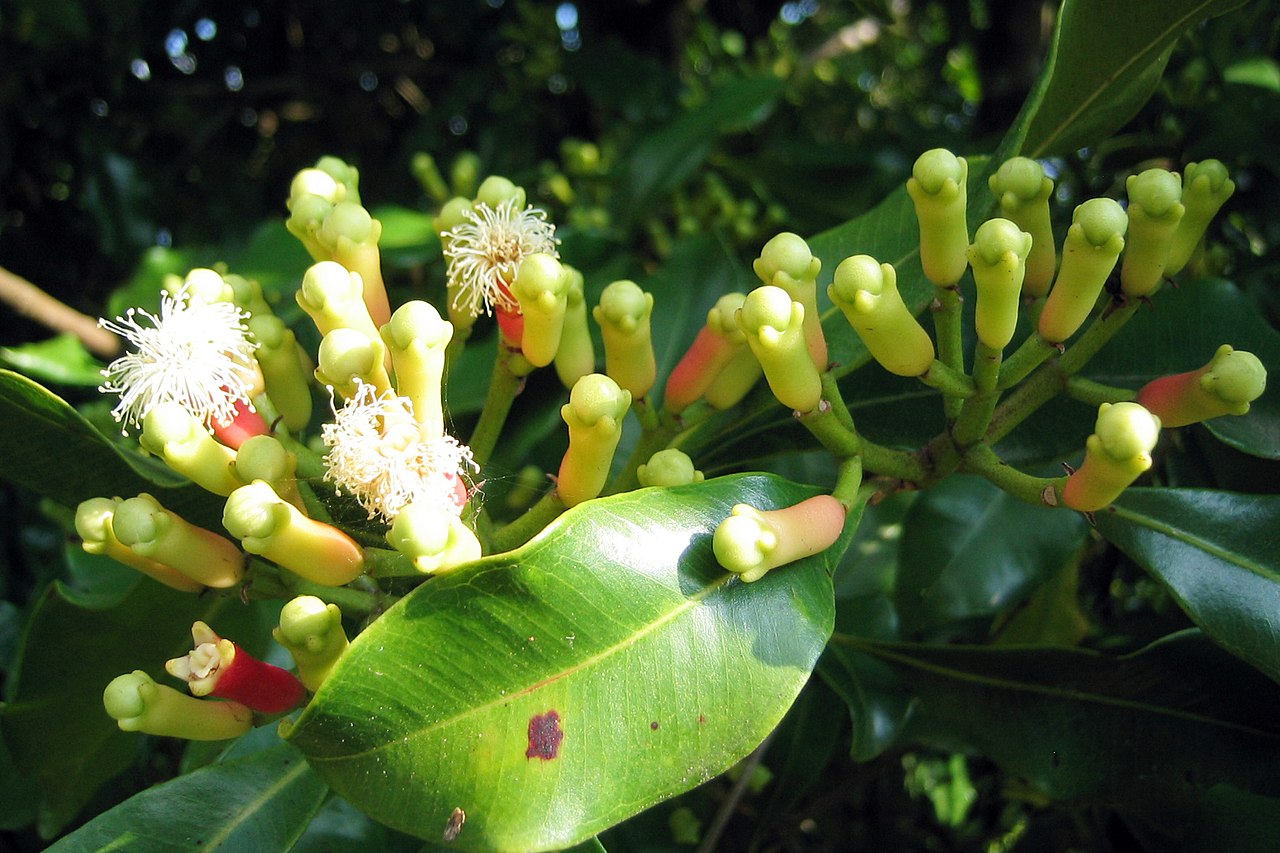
{"points": [[379, 454], [195, 353], [484, 252]]}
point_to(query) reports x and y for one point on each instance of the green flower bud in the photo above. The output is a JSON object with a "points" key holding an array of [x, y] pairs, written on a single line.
{"points": [[867, 293], [496, 189], [154, 532], [247, 293], [182, 441], [334, 298], [715, 347], [670, 467], [774, 327], [786, 262], [317, 182], [1205, 188], [94, 524], [1023, 190], [263, 457], [207, 286], [937, 187], [576, 355], [269, 526], [1225, 386], [417, 338], [751, 542], [435, 540], [348, 358], [138, 704], [343, 173], [1115, 455], [735, 381], [427, 173], [1155, 209], [284, 370], [998, 257], [312, 632], [464, 173], [594, 413], [541, 287], [623, 316], [1089, 254]]}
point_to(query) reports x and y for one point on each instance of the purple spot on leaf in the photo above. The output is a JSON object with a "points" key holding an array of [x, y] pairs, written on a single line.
{"points": [[544, 736]]}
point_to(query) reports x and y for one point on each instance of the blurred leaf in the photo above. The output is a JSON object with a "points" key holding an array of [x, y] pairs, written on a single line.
{"points": [[263, 803], [62, 360], [666, 157], [614, 630], [18, 796], [43, 433], [1219, 555], [339, 827], [403, 227], [879, 703], [969, 549], [273, 257], [54, 722], [1103, 66], [1146, 733], [1052, 617], [1259, 71]]}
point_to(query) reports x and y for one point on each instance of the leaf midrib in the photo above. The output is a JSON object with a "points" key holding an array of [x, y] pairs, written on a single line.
{"points": [[1186, 537]]}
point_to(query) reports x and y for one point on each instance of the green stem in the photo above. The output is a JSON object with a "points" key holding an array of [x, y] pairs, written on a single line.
{"points": [[504, 385], [898, 464], [946, 326], [830, 429], [528, 525], [272, 582], [1026, 358], [831, 393], [848, 488], [1041, 491], [1096, 393], [976, 414], [953, 385]]}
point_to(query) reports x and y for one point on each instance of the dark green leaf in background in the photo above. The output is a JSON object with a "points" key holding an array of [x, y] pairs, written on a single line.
{"points": [[555, 690], [1218, 553], [257, 804], [60, 360]]}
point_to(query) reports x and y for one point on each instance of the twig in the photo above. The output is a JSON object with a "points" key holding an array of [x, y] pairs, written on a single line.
{"points": [[727, 808], [30, 301]]}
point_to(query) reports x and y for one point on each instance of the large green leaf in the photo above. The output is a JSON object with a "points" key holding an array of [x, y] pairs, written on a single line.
{"points": [[49, 448], [558, 689], [971, 550], [1219, 555], [257, 804], [1147, 734], [62, 360], [1105, 62], [54, 723]]}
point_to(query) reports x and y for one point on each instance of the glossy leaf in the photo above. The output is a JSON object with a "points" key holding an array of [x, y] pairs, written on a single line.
{"points": [[558, 689], [1218, 553], [43, 433], [1105, 62], [971, 550], [1146, 733], [54, 723], [256, 804], [62, 360]]}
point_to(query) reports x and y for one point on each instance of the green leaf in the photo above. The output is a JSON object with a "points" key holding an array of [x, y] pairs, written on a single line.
{"points": [[256, 804], [54, 723], [556, 690], [49, 448], [668, 156], [1219, 555], [62, 360], [1146, 733], [1105, 62], [1262, 71], [971, 550]]}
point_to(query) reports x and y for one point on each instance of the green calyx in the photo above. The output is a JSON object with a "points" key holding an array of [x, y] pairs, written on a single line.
{"points": [[1155, 210], [284, 370], [1235, 377], [866, 291], [623, 316], [435, 540], [94, 524], [417, 338], [786, 262], [138, 704], [1093, 245], [334, 299], [268, 525], [774, 327], [752, 542], [594, 413], [937, 187], [348, 358], [576, 355], [670, 467], [541, 286], [1205, 188], [154, 532], [312, 632], [1115, 455], [998, 257], [182, 441]]}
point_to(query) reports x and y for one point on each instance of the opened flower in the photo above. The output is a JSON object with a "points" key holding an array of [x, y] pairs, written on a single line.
{"points": [[220, 668], [484, 250], [194, 353], [380, 453]]}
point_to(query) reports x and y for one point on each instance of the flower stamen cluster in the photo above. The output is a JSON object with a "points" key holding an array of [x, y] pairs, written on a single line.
{"points": [[485, 249]]}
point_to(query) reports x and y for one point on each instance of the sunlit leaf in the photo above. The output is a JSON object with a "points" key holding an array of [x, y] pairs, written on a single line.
{"points": [[554, 691]]}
